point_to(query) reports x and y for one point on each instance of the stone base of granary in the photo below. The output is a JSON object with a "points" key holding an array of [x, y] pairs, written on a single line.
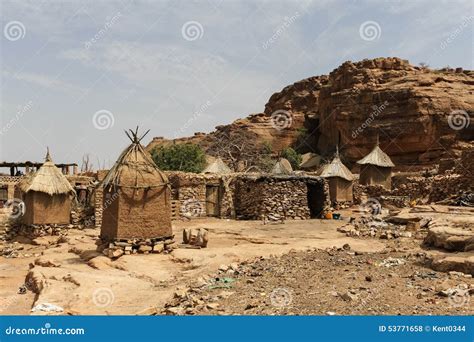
{"points": [[37, 230], [116, 248]]}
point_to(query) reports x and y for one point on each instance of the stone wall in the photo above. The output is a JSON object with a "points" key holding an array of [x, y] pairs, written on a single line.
{"points": [[276, 198], [190, 190], [424, 189]]}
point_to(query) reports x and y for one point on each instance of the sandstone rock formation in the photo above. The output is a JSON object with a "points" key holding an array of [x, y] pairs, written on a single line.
{"points": [[412, 110]]}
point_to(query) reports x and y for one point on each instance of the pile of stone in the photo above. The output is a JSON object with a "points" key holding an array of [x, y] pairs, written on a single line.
{"points": [[37, 230], [118, 248], [11, 250], [82, 216], [388, 228]]}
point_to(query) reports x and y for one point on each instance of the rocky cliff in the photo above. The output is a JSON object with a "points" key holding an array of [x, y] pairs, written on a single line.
{"points": [[421, 116]]}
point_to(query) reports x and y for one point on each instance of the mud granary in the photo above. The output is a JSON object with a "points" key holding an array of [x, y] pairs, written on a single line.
{"points": [[136, 197]]}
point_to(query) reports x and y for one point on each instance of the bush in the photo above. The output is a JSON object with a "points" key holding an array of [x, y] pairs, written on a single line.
{"points": [[293, 157], [180, 157]]}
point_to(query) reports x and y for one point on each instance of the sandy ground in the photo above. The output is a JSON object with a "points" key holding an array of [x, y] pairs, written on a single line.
{"points": [[81, 281]]}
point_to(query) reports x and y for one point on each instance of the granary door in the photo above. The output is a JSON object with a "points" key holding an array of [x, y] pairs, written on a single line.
{"points": [[212, 200]]}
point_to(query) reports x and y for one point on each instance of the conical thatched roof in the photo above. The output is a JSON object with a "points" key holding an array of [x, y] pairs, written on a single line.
{"points": [[134, 168], [335, 169], [377, 157], [282, 167], [217, 166], [48, 179]]}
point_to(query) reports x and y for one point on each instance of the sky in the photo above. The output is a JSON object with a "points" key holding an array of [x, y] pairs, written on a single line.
{"points": [[75, 74]]}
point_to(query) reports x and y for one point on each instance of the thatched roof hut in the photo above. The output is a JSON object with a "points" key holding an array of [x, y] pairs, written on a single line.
{"points": [[136, 196], [376, 168], [48, 179], [282, 167], [217, 166], [340, 179], [47, 195], [335, 169]]}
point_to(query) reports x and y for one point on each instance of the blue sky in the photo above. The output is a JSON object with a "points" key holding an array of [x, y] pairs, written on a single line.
{"points": [[179, 67]]}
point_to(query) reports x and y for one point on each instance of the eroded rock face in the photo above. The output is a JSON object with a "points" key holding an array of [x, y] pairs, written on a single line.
{"points": [[407, 106]]}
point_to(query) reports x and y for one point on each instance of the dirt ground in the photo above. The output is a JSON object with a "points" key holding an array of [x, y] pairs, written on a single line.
{"points": [[69, 273]]}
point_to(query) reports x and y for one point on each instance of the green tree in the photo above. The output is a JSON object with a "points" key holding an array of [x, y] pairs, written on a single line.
{"points": [[180, 157], [293, 157]]}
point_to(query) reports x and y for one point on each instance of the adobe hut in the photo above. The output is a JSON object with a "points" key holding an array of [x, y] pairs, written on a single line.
{"points": [[340, 180], [282, 167], [136, 197], [47, 195], [376, 168]]}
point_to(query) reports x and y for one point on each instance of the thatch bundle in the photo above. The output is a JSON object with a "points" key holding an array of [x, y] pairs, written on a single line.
{"points": [[134, 168], [48, 179]]}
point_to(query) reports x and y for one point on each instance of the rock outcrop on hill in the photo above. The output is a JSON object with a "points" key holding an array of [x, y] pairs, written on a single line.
{"points": [[421, 116]]}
